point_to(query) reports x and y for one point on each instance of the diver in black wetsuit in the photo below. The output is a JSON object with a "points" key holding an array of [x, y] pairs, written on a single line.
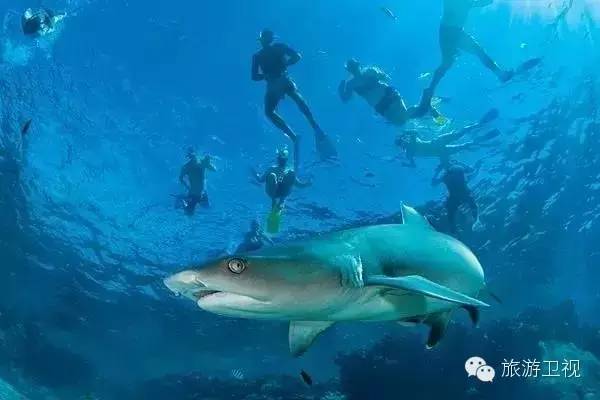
{"points": [[455, 178], [254, 239], [270, 64], [39, 22], [280, 180]]}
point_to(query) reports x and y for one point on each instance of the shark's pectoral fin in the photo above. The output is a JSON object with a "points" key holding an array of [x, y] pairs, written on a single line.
{"points": [[303, 334], [418, 284], [438, 323], [351, 270]]}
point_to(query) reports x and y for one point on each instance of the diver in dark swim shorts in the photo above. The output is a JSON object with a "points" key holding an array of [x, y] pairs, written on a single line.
{"points": [[280, 180], [372, 84], [270, 64], [454, 177], [454, 39], [195, 172]]}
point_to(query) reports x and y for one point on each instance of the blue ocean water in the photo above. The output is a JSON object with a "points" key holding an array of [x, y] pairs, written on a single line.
{"points": [[121, 90]]}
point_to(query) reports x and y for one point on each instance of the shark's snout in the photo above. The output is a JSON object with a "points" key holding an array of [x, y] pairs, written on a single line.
{"points": [[185, 283]]}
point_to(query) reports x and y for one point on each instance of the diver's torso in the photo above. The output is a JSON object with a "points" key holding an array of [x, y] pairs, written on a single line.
{"points": [[272, 61], [456, 13], [196, 175]]}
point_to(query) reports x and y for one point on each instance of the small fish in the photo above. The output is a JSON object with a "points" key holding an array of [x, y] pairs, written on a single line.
{"points": [[237, 374], [306, 378], [26, 126], [389, 13], [424, 75]]}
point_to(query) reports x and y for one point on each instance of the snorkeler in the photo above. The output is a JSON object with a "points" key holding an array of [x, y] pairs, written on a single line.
{"points": [[453, 39], [442, 146], [372, 84], [455, 178], [39, 22], [279, 181], [270, 64], [254, 239], [195, 171]]}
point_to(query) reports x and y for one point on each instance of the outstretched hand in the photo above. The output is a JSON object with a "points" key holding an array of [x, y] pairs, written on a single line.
{"points": [[254, 175]]}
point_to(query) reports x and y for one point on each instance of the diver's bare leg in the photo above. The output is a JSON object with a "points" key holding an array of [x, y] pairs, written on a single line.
{"points": [[439, 73], [470, 45], [271, 102], [301, 103]]}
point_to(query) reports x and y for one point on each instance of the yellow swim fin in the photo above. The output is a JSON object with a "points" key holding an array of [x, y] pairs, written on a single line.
{"points": [[441, 120], [438, 117], [274, 220]]}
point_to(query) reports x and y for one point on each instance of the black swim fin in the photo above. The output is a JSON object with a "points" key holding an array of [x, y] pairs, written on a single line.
{"points": [[325, 148], [491, 134], [489, 116], [527, 65]]}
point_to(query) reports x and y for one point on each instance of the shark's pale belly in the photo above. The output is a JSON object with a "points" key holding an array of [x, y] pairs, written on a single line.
{"points": [[375, 307]]}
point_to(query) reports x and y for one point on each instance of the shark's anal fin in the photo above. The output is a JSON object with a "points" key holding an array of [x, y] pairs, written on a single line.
{"points": [[438, 323], [420, 285], [473, 314], [303, 334]]}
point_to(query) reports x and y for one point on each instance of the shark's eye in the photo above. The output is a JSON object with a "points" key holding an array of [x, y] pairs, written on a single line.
{"points": [[236, 265]]}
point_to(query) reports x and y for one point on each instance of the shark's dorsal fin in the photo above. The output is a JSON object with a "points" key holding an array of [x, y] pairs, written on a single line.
{"points": [[303, 334], [420, 285], [412, 218]]}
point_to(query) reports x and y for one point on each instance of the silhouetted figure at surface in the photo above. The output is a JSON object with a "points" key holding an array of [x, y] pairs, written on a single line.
{"points": [[454, 177], [40, 21], [193, 178]]}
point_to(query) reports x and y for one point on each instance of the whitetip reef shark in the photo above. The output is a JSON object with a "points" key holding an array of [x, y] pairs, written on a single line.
{"points": [[406, 272]]}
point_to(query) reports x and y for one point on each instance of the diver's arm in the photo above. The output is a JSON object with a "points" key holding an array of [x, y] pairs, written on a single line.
{"points": [[207, 163], [260, 178], [345, 90], [293, 56], [302, 184], [410, 162], [182, 175], [474, 170], [481, 3], [256, 75], [436, 180]]}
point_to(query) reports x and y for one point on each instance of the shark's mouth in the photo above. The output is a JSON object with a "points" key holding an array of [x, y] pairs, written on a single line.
{"points": [[205, 293]]}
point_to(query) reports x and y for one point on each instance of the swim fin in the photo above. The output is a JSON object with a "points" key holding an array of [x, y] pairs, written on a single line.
{"points": [[274, 220], [527, 65], [491, 134], [441, 120], [489, 116], [438, 117], [325, 147], [522, 69]]}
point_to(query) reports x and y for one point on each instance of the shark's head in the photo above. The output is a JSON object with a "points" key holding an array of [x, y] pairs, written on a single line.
{"points": [[258, 287]]}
